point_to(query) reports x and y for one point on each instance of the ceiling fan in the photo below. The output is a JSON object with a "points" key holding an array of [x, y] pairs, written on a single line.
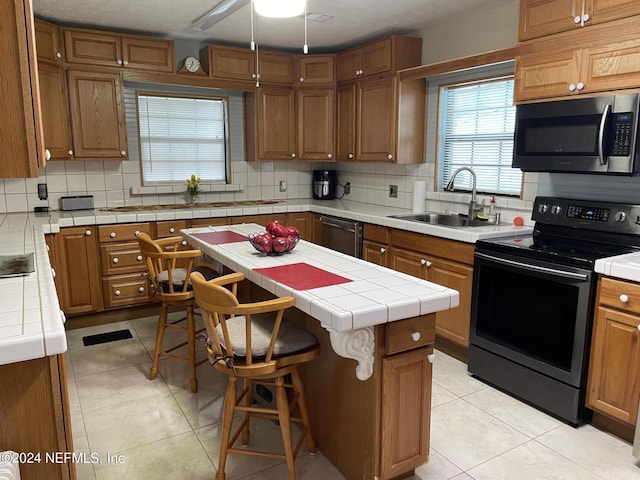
{"points": [[266, 8]]}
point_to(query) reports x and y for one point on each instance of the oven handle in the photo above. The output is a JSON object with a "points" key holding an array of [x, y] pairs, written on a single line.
{"points": [[535, 268], [603, 122]]}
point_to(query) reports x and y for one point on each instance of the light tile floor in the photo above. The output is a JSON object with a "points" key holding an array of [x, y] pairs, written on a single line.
{"points": [[159, 429]]}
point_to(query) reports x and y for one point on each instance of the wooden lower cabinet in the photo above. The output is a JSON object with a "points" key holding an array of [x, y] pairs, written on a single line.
{"points": [[303, 222], [35, 415], [614, 367], [375, 245]]}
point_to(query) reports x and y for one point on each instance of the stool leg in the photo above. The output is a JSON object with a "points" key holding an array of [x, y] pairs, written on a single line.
{"points": [[227, 421], [191, 341], [285, 425], [246, 431], [162, 322], [302, 405]]}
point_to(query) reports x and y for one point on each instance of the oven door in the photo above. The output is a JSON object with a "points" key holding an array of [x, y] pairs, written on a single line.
{"points": [[533, 313]]}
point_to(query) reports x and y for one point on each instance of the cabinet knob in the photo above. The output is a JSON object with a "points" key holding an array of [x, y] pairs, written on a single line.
{"points": [[572, 87], [577, 19], [47, 154], [88, 233], [253, 75], [53, 272], [624, 298], [58, 55], [115, 260], [112, 234], [382, 249], [580, 86], [139, 258], [117, 293], [415, 336], [329, 155], [301, 79], [141, 289], [171, 230], [123, 153], [136, 233], [585, 18], [119, 62], [423, 262], [183, 243], [125, 62], [70, 153], [390, 157], [638, 326], [47, 247], [431, 357], [350, 155], [293, 155]]}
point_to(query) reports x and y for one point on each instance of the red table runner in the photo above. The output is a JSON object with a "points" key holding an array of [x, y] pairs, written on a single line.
{"points": [[215, 238], [302, 276]]}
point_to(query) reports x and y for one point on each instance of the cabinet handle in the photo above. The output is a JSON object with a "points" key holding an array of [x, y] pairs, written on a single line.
{"points": [[70, 153], [580, 86], [47, 154], [415, 336], [183, 243], [112, 234], [117, 293], [624, 298], [141, 289], [58, 55], [572, 87], [139, 258], [350, 155], [431, 357], [382, 249], [171, 230], [119, 62], [123, 153], [88, 233], [390, 157], [115, 260]]}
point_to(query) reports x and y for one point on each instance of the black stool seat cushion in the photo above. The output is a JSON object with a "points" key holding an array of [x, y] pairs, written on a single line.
{"points": [[178, 276]]}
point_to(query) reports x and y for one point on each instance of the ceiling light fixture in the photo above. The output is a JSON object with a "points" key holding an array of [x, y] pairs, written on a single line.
{"points": [[220, 12], [280, 8]]}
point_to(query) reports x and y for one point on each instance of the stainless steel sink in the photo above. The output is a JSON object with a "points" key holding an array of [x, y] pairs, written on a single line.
{"points": [[445, 219]]}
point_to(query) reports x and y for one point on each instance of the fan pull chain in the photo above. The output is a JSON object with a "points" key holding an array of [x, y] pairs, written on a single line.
{"points": [[305, 48]]}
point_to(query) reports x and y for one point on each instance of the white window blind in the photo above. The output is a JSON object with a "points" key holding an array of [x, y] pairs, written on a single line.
{"points": [[181, 136], [477, 121]]}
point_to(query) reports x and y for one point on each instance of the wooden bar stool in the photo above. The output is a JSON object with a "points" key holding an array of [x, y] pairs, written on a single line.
{"points": [[252, 342], [169, 279]]}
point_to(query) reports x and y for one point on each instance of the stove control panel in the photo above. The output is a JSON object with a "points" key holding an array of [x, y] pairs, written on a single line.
{"points": [[592, 215]]}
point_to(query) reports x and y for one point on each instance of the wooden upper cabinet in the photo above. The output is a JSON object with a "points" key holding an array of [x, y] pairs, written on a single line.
{"points": [[387, 55], [231, 63], [54, 105], [91, 47], [275, 68], [316, 69], [346, 122], [376, 120], [48, 45], [613, 66], [97, 115], [539, 18], [544, 75], [276, 123], [316, 113], [21, 132]]}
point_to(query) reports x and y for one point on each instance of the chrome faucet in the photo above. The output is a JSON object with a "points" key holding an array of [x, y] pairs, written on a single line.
{"points": [[473, 205]]}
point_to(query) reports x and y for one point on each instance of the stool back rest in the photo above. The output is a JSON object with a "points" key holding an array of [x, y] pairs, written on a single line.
{"points": [[219, 304], [162, 256]]}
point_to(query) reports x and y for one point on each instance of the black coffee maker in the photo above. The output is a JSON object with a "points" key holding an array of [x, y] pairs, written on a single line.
{"points": [[324, 184]]}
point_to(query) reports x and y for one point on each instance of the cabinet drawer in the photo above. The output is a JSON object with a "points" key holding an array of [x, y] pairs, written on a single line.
{"points": [[410, 333], [117, 258], [170, 229], [122, 233], [613, 292], [125, 290], [376, 233]]}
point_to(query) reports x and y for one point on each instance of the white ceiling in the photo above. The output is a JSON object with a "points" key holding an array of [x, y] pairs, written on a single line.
{"points": [[351, 22]]}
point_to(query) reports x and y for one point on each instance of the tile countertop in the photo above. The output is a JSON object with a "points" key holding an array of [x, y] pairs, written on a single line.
{"points": [[624, 267], [31, 323]]}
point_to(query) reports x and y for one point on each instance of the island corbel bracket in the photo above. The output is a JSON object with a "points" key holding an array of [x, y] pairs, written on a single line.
{"points": [[358, 345]]}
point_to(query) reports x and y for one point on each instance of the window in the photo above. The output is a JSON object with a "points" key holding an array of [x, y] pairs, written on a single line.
{"points": [[182, 136], [476, 124]]}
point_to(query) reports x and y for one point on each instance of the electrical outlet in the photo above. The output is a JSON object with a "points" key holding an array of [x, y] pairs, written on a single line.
{"points": [[393, 191], [283, 186], [42, 191], [347, 188]]}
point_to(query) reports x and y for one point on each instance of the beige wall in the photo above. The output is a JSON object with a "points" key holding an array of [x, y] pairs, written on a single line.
{"points": [[477, 32]]}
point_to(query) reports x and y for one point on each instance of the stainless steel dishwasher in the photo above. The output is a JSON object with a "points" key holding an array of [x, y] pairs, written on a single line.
{"points": [[341, 235]]}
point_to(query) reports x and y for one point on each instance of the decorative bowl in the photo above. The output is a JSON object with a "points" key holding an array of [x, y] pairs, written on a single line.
{"points": [[266, 243]]}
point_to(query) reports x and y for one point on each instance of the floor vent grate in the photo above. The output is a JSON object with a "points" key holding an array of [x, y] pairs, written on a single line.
{"points": [[106, 337]]}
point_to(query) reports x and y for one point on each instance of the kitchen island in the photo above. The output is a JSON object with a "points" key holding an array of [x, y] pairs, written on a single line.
{"points": [[369, 393]]}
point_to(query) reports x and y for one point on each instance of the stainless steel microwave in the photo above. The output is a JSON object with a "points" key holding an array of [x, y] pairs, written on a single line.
{"points": [[582, 135]]}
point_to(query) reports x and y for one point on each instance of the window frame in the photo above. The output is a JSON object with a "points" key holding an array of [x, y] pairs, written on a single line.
{"points": [[227, 141]]}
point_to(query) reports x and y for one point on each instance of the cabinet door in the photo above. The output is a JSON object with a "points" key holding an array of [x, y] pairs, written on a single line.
{"points": [[614, 368], [55, 111], [453, 324], [348, 65], [77, 270], [275, 68], [376, 120], [303, 222], [48, 42], [606, 10], [148, 54], [316, 113], [97, 115], [409, 262], [376, 57], [276, 123], [92, 48], [406, 411], [229, 63], [346, 122], [375, 253], [316, 69], [546, 75], [611, 67], [544, 17]]}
